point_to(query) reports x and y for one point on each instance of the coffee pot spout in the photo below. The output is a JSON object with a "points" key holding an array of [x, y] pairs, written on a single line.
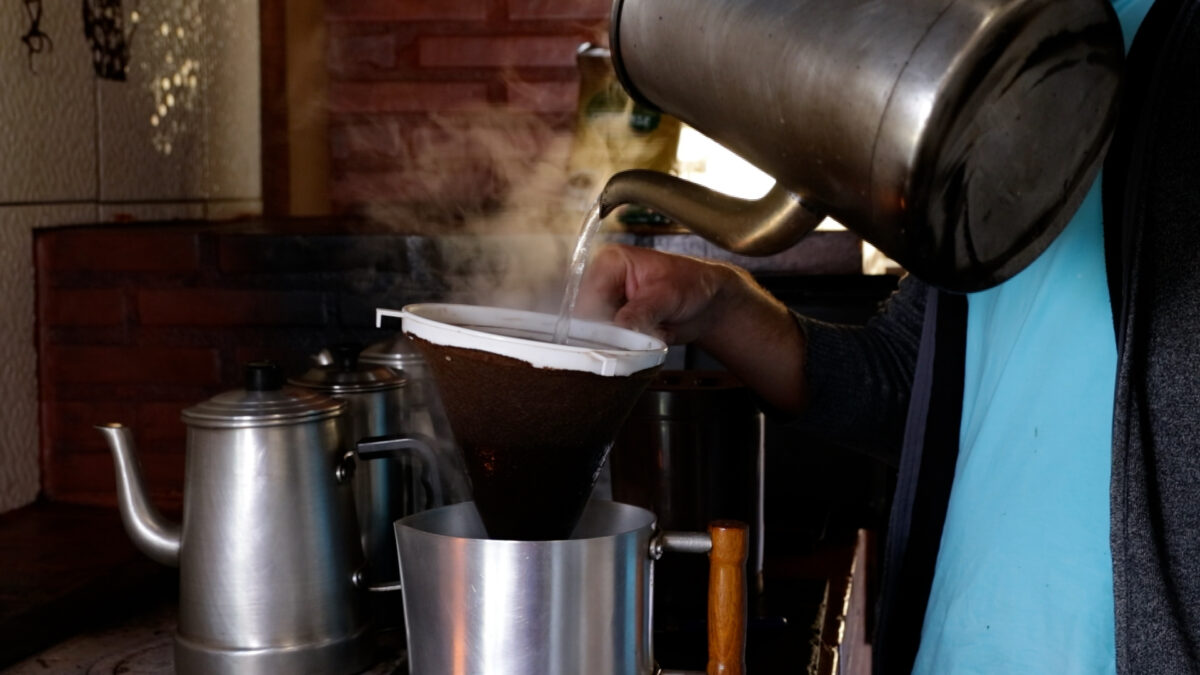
{"points": [[763, 226], [150, 531]]}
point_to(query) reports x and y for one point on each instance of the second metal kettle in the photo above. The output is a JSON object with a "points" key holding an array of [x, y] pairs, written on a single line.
{"points": [[957, 136]]}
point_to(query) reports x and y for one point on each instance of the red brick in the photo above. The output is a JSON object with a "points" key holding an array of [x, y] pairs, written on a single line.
{"points": [[159, 424], [498, 51], [121, 250], [559, 9], [91, 479], [444, 143], [384, 138], [360, 97], [132, 365], [95, 307], [407, 10], [296, 254], [544, 96], [362, 52], [385, 186], [505, 141], [69, 426], [467, 186], [209, 307], [294, 359]]}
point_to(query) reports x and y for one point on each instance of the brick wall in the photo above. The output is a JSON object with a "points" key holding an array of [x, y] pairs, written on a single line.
{"points": [[439, 104], [136, 323]]}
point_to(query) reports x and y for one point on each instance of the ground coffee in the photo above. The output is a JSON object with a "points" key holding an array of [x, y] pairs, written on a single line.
{"points": [[533, 439]]}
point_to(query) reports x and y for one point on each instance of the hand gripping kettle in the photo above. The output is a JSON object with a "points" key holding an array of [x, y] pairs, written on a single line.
{"points": [[957, 136]]}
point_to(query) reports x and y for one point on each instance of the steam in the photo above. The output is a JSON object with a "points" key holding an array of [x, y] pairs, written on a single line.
{"points": [[496, 188]]}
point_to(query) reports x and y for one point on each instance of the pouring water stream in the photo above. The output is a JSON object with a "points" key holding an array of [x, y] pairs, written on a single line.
{"points": [[579, 261]]}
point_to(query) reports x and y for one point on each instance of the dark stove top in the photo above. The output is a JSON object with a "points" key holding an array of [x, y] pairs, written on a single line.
{"points": [[143, 645]]}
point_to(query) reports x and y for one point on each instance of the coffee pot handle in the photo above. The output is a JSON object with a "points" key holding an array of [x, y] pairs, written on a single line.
{"points": [[380, 447], [727, 544]]}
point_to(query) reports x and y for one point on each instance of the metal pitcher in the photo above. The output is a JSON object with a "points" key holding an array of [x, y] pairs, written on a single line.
{"points": [[578, 606], [957, 136], [270, 566]]}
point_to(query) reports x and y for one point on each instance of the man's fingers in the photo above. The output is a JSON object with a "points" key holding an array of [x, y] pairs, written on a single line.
{"points": [[602, 289]]}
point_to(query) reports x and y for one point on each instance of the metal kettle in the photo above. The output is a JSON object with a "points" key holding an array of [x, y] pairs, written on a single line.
{"points": [[270, 566], [423, 412], [956, 136], [388, 489]]}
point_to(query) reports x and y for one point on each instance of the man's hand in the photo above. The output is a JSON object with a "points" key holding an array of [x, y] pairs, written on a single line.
{"points": [[716, 305]]}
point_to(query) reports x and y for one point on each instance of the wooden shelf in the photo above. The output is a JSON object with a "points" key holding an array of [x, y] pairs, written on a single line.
{"points": [[68, 568]]}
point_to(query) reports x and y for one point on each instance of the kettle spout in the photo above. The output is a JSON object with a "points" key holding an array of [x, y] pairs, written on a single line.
{"points": [[153, 534], [763, 226]]}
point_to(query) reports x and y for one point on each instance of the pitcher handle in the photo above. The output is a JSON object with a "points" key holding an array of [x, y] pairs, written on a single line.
{"points": [[379, 447], [727, 544], [727, 597]]}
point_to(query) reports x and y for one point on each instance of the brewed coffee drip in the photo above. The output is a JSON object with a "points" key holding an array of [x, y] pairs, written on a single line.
{"points": [[534, 439]]}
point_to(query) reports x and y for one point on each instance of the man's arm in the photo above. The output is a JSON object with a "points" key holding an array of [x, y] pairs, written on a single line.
{"points": [[846, 383]]}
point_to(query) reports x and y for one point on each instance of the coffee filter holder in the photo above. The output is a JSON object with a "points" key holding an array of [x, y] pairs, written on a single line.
{"points": [[524, 335]]}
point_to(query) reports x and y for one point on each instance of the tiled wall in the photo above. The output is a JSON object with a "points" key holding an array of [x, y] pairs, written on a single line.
{"points": [[179, 138], [443, 104]]}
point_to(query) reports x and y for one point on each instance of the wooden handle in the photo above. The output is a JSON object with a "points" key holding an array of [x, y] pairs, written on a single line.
{"points": [[727, 597]]}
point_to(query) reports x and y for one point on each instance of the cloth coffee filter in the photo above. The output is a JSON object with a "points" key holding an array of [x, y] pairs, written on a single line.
{"points": [[534, 419], [600, 348]]}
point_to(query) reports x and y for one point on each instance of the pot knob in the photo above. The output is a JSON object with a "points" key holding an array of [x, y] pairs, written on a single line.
{"points": [[263, 376]]}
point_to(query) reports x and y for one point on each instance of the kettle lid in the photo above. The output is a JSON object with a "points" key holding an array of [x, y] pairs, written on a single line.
{"points": [[264, 401], [396, 352], [344, 371]]}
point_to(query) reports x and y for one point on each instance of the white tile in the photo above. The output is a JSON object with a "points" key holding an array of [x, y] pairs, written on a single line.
{"points": [[232, 96], [48, 108], [150, 212], [151, 127], [19, 480], [229, 210]]}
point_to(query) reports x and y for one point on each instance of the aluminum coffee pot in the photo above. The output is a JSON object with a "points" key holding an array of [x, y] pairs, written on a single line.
{"points": [[956, 136], [270, 566], [388, 489], [423, 412]]}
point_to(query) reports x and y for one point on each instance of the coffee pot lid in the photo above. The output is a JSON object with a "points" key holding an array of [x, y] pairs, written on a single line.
{"points": [[396, 352], [264, 401], [344, 371]]}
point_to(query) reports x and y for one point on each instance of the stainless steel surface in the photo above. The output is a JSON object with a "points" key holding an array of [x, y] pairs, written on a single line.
{"points": [[269, 546], [422, 412], [396, 484], [240, 408], [153, 534], [957, 136], [680, 542], [762, 226], [578, 606], [400, 477]]}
